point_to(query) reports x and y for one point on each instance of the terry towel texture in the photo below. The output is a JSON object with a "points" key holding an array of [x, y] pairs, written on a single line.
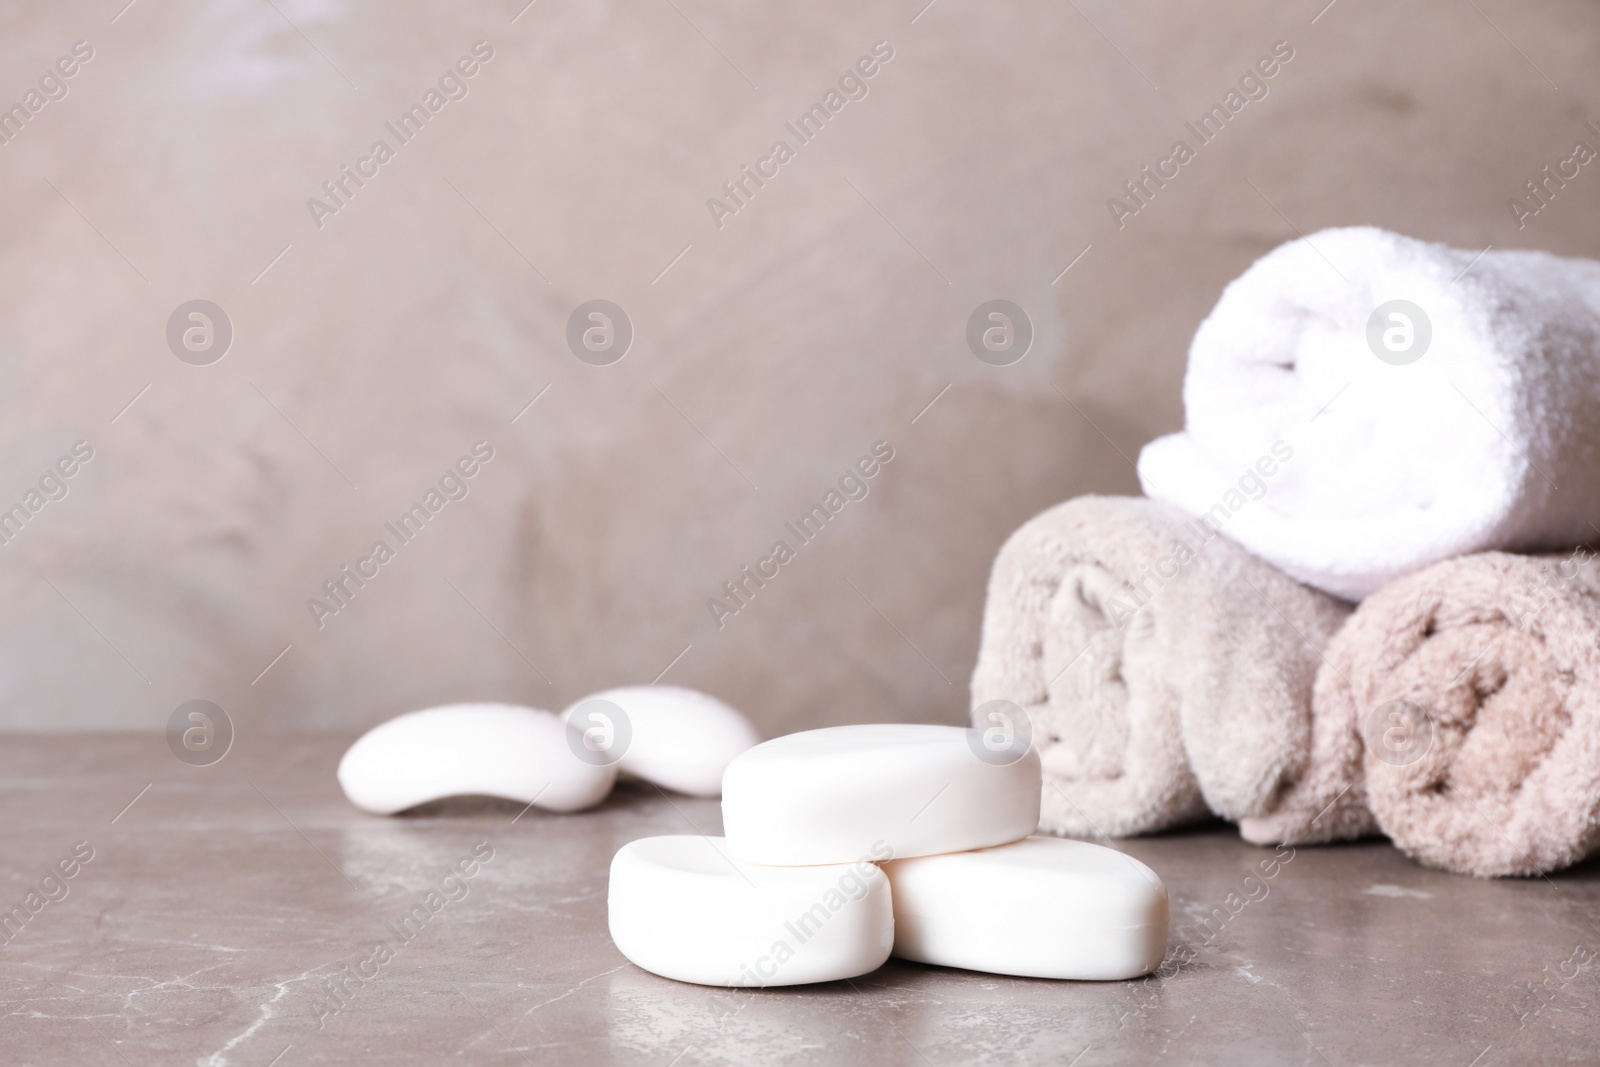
{"points": [[1396, 465], [1462, 704], [1165, 671]]}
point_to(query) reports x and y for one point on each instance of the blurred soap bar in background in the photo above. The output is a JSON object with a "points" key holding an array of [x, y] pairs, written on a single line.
{"points": [[679, 739], [497, 750]]}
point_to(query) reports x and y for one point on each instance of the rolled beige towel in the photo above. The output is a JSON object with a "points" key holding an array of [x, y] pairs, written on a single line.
{"points": [[1462, 705], [1164, 670]]}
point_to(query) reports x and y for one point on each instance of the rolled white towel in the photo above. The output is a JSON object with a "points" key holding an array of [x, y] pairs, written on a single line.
{"points": [[1395, 436]]}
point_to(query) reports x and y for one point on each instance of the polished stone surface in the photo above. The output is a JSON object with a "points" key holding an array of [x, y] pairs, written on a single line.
{"points": [[221, 903]]}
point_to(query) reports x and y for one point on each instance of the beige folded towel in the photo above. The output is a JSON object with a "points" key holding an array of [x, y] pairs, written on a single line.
{"points": [[1165, 671], [1462, 705]]}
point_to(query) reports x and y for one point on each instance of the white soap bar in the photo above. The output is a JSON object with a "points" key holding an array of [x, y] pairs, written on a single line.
{"points": [[680, 739], [834, 795], [1043, 907], [684, 908], [497, 750]]}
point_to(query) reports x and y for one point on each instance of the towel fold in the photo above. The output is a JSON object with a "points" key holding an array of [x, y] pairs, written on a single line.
{"points": [[1462, 705], [1164, 670], [1430, 401]]}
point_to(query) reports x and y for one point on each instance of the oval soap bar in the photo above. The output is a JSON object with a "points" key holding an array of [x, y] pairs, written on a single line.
{"points": [[498, 750], [684, 908], [1042, 907], [846, 792], [680, 739]]}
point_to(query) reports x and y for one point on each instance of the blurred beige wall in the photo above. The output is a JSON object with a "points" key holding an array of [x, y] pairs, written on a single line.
{"points": [[769, 354]]}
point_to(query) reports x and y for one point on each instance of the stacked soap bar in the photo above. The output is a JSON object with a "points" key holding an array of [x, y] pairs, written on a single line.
{"points": [[846, 845]]}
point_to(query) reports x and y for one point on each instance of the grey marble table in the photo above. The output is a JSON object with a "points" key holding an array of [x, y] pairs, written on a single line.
{"points": [[233, 914]]}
